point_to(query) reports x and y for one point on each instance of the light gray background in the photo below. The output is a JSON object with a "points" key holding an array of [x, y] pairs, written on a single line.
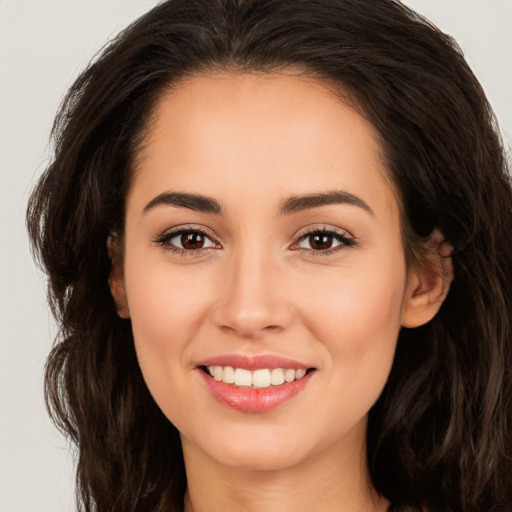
{"points": [[43, 46]]}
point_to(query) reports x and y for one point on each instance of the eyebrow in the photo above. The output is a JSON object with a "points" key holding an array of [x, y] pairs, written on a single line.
{"points": [[297, 204], [294, 204], [195, 202]]}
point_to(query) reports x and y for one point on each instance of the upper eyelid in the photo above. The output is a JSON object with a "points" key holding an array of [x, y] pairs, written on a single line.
{"points": [[324, 229], [174, 231]]}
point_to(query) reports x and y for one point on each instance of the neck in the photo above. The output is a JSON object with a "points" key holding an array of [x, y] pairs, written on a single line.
{"points": [[335, 480]]}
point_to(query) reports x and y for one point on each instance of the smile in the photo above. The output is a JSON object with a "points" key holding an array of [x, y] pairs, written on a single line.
{"points": [[254, 384], [257, 379]]}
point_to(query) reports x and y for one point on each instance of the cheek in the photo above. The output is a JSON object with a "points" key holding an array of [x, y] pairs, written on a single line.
{"points": [[365, 300], [357, 326], [167, 308], [358, 320]]}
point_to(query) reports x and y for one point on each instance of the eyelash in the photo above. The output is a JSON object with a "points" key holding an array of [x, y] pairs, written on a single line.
{"points": [[345, 241], [165, 238]]}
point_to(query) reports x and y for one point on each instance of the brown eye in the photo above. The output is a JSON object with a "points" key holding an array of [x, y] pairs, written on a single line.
{"points": [[192, 241], [186, 240], [320, 241], [325, 241]]}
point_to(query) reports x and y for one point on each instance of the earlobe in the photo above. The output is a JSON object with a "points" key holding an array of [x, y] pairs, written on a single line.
{"points": [[116, 277], [429, 283]]}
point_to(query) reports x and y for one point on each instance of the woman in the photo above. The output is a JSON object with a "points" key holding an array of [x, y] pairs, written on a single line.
{"points": [[271, 234]]}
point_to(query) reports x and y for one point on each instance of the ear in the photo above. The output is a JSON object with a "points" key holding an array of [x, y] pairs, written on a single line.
{"points": [[428, 283], [116, 277]]}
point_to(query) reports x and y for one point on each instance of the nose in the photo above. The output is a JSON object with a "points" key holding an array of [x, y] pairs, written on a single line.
{"points": [[252, 299]]}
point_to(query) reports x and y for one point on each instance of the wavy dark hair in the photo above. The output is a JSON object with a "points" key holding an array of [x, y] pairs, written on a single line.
{"points": [[440, 435]]}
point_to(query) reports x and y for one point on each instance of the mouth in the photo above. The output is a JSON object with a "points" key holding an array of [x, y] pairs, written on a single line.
{"points": [[255, 384], [255, 379]]}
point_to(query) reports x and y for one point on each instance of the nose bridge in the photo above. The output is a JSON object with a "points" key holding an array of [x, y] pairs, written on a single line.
{"points": [[251, 299]]}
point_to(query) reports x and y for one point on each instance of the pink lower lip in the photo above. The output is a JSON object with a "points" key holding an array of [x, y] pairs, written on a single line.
{"points": [[255, 400]]}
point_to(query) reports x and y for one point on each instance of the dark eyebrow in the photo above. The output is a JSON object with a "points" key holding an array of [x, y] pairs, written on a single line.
{"points": [[192, 201], [297, 204]]}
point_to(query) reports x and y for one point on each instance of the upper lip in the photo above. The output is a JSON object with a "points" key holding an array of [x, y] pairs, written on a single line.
{"points": [[255, 362]]}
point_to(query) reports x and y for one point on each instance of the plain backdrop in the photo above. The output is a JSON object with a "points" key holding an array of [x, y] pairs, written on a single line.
{"points": [[43, 46]]}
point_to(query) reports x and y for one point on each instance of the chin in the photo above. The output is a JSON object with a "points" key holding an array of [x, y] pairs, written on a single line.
{"points": [[259, 448], [252, 449]]}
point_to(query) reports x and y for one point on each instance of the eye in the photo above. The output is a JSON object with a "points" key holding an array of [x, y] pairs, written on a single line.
{"points": [[324, 240], [186, 240], [191, 240]]}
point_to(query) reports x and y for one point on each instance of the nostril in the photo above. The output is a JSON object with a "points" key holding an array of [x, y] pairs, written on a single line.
{"points": [[227, 329], [274, 329]]}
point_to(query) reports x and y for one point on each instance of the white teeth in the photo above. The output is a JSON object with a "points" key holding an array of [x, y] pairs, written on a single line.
{"points": [[277, 376], [243, 377], [289, 375], [229, 375], [218, 372], [262, 378]]}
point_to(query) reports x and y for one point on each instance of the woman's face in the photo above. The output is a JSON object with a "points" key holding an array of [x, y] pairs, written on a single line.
{"points": [[262, 234]]}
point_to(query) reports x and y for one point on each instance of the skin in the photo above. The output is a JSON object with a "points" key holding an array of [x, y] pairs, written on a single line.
{"points": [[259, 286]]}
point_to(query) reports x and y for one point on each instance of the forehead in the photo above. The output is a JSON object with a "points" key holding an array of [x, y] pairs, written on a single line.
{"points": [[279, 133]]}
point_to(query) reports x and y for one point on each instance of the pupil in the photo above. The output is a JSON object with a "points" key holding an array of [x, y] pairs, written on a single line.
{"points": [[192, 240], [320, 242]]}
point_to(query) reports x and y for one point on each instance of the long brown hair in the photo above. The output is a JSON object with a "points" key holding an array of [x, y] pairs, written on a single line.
{"points": [[440, 435]]}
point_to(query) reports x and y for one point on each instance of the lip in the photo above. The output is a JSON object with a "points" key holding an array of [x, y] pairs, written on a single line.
{"points": [[258, 362], [254, 400]]}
